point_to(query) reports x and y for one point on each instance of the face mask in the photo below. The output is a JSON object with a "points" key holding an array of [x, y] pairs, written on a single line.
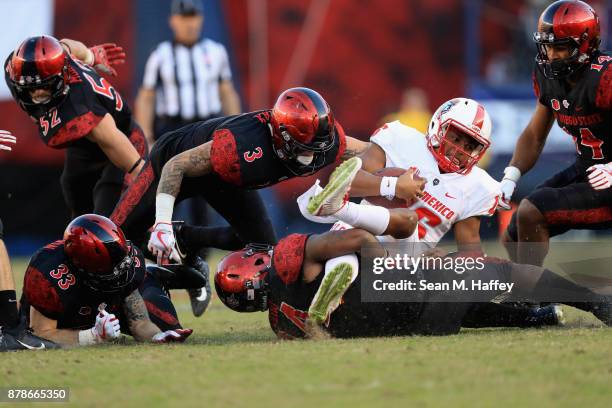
{"points": [[305, 160]]}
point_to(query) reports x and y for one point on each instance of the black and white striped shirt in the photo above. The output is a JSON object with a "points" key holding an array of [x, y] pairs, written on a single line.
{"points": [[186, 79]]}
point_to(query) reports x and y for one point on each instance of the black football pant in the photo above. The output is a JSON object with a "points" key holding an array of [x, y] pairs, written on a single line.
{"points": [[568, 201], [90, 183], [243, 209], [159, 305]]}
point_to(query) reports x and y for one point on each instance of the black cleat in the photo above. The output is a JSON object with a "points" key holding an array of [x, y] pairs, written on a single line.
{"points": [[200, 297], [550, 315], [8, 342], [21, 338]]}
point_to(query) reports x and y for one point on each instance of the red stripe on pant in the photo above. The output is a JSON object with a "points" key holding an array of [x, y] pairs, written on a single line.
{"points": [[133, 195], [164, 316], [576, 217]]}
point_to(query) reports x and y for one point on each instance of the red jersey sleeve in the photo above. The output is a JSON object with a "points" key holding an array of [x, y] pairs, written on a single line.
{"points": [[289, 257], [603, 96], [41, 294], [224, 156]]}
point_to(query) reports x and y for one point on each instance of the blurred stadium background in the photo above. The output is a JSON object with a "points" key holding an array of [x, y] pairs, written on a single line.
{"points": [[372, 60]]}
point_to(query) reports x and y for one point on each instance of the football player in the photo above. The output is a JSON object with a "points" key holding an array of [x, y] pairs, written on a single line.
{"points": [[225, 160], [93, 285], [76, 109], [294, 282], [13, 333], [455, 193], [572, 82]]}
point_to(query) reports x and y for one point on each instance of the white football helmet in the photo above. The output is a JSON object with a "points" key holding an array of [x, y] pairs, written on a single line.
{"points": [[449, 125]]}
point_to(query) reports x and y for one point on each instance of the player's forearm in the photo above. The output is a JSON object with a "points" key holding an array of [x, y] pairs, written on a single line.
{"points": [[172, 175], [116, 146], [195, 162], [365, 185], [63, 337], [78, 50], [527, 151], [532, 140], [144, 330], [126, 158], [144, 111], [354, 147]]}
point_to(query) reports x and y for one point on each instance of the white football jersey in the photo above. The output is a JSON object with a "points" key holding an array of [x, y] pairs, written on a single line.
{"points": [[448, 197]]}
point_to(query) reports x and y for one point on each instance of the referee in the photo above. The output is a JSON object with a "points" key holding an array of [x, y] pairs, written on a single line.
{"points": [[186, 80]]}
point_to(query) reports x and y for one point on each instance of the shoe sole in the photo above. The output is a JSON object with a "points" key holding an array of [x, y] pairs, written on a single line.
{"points": [[333, 286], [341, 175]]}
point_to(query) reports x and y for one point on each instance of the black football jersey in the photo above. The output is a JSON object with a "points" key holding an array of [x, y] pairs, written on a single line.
{"points": [[289, 299], [89, 99], [53, 288], [242, 152], [583, 111]]}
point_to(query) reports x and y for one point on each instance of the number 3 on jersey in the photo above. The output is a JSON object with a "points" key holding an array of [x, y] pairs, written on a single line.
{"points": [[251, 156], [64, 282]]}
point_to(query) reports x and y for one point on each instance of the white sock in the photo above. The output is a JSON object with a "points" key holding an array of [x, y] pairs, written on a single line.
{"points": [[371, 218], [350, 259]]}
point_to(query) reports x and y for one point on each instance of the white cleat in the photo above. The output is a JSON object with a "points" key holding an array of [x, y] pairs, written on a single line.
{"points": [[335, 194]]}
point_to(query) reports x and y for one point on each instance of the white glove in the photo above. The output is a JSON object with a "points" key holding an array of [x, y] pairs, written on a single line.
{"points": [[303, 201], [600, 176], [507, 186], [6, 137], [107, 326], [161, 243], [171, 336]]}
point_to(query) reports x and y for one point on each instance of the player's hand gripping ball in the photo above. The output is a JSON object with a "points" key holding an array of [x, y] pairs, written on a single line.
{"points": [[398, 202]]}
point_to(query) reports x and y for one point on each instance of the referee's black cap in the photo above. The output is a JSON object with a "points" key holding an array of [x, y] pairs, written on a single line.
{"points": [[187, 7]]}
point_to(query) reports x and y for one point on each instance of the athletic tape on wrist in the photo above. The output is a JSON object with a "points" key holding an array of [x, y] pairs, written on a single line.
{"points": [[164, 206], [512, 173], [88, 337]]}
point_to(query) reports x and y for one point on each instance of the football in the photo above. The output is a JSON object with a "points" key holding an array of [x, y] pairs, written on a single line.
{"points": [[396, 202]]}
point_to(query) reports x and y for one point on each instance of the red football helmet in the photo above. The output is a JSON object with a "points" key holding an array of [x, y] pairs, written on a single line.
{"points": [[100, 252], [39, 63], [303, 129], [240, 280], [456, 120], [574, 24]]}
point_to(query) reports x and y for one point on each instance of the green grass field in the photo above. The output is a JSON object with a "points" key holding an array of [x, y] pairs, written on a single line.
{"points": [[234, 360]]}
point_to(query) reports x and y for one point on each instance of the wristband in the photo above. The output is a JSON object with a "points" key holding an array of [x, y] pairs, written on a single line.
{"points": [[88, 337], [512, 173], [135, 165], [387, 187], [164, 206]]}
